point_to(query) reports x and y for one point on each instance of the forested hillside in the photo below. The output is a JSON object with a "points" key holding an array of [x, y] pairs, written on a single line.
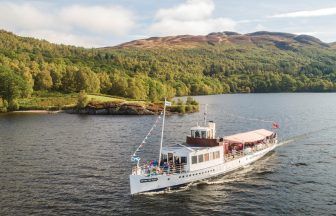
{"points": [[171, 66]]}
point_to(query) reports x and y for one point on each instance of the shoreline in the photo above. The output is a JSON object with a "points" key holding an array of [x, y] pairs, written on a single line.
{"points": [[38, 111]]}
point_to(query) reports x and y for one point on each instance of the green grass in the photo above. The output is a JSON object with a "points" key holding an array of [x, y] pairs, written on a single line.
{"points": [[104, 98], [56, 101], [97, 99], [51, 102]]}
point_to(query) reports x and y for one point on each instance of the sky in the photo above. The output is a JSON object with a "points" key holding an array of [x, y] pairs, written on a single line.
{"points": [[110, 22]]}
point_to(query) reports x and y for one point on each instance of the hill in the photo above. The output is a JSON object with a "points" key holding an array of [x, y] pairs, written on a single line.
{"points": [[225, 38], [150, 69]]}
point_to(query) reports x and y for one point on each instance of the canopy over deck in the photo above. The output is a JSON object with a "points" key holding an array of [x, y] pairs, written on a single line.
{"points": [[248, 137]]}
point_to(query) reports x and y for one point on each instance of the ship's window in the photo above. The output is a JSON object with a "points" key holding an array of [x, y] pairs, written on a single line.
{"points": [[200, 158], [206, 157], [164, 157], [216, 154], [184, 160], [197, 134], [203, 134], [194, 159]]}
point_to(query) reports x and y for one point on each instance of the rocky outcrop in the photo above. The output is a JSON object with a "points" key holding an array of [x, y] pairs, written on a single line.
{"points": [[132, 108], [117, 109]]}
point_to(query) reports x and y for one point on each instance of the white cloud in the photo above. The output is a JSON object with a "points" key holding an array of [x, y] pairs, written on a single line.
{"points": [[109, 19], [189, 11], [191, 17], [308, 13], [72, 24], [64, 38], [26, 16], [260, 27]]}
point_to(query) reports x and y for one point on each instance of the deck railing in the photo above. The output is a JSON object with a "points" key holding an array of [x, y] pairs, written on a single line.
{"points": [[156, 170], [239, 154]]}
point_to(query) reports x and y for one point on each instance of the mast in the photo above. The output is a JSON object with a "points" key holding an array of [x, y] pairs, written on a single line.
{"points": [[205, 114], [163, 123]]}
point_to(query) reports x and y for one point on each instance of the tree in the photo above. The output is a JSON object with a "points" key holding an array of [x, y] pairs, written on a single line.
{"points": [[13, 105], [86, 80], [43, 80], [12, 85], [82, 100], [105, 83], [68, 80]]}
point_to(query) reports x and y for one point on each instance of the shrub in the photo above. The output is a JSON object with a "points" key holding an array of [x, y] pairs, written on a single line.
{"points": [[13, 105], [83, 100]]}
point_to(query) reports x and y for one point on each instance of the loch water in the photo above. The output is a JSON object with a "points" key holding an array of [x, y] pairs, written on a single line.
{"points": [[65, 164]]}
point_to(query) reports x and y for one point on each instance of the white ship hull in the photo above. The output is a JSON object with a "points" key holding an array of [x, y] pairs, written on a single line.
{"points": [[142, 183]]}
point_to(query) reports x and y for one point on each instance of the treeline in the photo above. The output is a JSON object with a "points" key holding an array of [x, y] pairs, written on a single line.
{"points": [[28, 65]]}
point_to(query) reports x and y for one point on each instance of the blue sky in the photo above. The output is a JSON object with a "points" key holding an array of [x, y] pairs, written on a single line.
{"points": [[110, 22]]}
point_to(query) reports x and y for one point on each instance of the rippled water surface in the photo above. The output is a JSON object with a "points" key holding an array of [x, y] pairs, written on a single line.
{"points": [[79, 165]]}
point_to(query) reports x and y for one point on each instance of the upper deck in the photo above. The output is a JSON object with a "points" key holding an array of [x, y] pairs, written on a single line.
{"points": [[202, 149]]}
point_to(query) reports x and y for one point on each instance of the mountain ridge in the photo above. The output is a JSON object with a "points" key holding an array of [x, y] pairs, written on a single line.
{"points": [[191, 41]]}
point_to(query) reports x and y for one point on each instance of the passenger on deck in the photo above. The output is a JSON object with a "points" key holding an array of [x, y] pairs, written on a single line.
{"points": [[234, 151]]}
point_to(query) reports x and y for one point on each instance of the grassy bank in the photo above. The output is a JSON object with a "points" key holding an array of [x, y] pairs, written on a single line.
{"points": [[58, 101]]}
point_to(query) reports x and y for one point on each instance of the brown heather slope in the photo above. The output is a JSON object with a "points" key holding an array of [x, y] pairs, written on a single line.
{"points": [[333, 45], [281, 40]]}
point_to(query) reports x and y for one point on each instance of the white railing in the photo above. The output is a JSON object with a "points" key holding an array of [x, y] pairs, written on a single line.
{"points": [[239, 154], [156, 170]]}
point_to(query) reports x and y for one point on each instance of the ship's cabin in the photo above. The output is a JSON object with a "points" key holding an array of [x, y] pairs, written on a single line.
{"points": [[184, 158], [204, 136], [205, 132], [201, 150]]}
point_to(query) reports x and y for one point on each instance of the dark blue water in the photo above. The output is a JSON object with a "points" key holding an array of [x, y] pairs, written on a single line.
{"points": [[79, 165]]}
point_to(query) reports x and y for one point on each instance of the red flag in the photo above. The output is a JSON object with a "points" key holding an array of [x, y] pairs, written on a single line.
{"points": [[275, 125]]}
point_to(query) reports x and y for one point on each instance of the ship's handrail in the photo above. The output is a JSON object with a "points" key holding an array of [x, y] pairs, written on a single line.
{"points": [[156, 170], [239, 154]]}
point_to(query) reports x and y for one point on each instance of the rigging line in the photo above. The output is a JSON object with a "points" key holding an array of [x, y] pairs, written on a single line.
{"points": [[304, 135], [250, 119], [238, 116], [148, 134]]}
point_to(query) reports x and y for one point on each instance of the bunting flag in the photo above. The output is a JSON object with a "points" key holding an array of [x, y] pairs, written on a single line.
{"points": [[137, 158]]}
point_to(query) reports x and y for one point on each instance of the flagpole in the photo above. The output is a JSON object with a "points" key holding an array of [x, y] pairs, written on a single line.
{"points": [[205, 114], [163, 123]]}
